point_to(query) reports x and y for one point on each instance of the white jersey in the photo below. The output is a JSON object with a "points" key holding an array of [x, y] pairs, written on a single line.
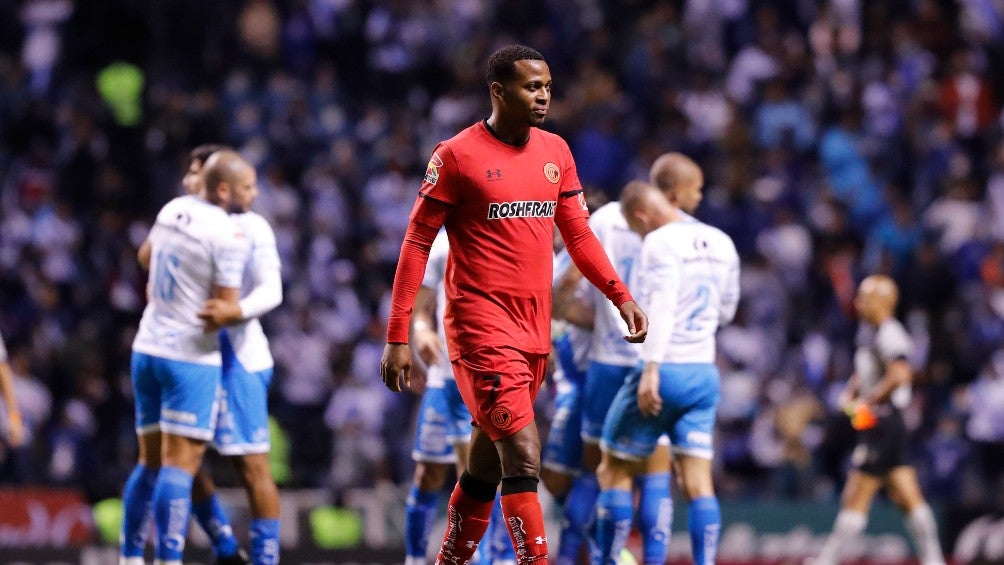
{"points": [[435, 278], [580, 339], [262, 269], [623, 248], [195, 245], [689, 281], [876, 348]]}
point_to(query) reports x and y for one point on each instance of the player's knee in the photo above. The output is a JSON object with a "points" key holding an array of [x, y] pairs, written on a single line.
{"points": [[429, 477], [521, 463], [696, 485], [254, 470]]}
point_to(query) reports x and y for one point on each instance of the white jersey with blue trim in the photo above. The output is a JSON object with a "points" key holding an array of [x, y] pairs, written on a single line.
{"points": [[580, 339], [435, 278], [194, 246], [263, 268], [689, 285], [623, 248]]}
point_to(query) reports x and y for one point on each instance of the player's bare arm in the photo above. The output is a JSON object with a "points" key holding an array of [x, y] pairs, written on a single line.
{"points": [[222, 310], [428, 344], [144, 253]]}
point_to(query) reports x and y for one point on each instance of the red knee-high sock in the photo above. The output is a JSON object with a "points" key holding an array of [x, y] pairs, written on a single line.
{"points": [[466, 520], [523, 516]]}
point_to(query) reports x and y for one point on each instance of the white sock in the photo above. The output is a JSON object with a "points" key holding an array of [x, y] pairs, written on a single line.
{"points": [[921, 524], [848, 526]]}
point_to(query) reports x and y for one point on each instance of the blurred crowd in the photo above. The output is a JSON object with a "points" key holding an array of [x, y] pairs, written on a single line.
{"points": [[838, 138]]}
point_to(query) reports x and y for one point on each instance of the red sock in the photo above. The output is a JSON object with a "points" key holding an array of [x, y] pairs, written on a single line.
{"points": [[525, 519], [466, 520]]}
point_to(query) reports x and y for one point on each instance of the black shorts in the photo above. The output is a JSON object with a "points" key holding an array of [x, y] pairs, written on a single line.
{"points": [[883, 447]]}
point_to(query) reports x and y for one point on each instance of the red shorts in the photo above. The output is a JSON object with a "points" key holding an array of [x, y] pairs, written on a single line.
{"points": [[499, 385]]}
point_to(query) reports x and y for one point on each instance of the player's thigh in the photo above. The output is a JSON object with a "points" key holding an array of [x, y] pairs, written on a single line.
{"points": [[432, 444], [903, 488], [859, 491], [242, 424], [563, 448], [661, 460], [602, 383], [499, 386], [627, 433], [694, 475], [189, 398], [146, 391]]}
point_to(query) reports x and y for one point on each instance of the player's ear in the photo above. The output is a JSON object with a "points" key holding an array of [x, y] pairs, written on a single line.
{"points": [[497, 91]]}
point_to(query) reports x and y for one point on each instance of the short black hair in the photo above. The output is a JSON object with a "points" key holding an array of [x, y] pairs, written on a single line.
{"points": [[202, 152], [502, 63]]}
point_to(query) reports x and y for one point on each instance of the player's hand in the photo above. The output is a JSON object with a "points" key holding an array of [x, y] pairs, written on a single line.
{"points": [[428, 346], [649, 401], [15, 429], [395, 364], [217, 313], [637, 322], [861, 414]]}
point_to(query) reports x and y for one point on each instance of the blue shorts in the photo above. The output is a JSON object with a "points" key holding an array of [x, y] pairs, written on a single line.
{"points": [[602, 383], [242, 426], [175, 397], [565, 355], [443, 419], [689, 399], [563, 450]]}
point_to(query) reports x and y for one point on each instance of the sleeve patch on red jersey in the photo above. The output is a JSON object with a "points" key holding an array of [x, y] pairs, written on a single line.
{"points": [[552, 172], [432, 171]]}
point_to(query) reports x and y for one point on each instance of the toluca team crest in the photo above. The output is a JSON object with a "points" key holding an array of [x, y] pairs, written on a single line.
{"points": [[552, 172]]}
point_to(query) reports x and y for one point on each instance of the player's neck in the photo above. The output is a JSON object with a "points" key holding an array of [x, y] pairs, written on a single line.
{"points": [[511, 134]]}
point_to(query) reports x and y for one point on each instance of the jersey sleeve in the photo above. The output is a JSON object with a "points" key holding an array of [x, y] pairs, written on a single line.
{"points": [[435, 269], [265, 274], [571, 198], [230, 253], [442, 176], [730, 285], [659, 278], [892, 342]]}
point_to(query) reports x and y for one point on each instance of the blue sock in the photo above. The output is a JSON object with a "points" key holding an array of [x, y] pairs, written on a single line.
{"points": [[499, 546], [613, 524], [580, 504], [265, 541], [212, 517], [655, 516], [420, 510], [172, 505], [569, 543], [704, 519], [136, 502]]}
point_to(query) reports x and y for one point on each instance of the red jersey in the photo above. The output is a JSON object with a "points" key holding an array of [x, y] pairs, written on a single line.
{"points": [[499, 204]]}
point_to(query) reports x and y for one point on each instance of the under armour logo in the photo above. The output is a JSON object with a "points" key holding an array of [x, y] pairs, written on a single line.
{"points": [[494, 174], [541, 540]]}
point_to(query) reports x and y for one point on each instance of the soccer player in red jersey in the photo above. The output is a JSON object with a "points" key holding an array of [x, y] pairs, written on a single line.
{"points": [[499, 187]]}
